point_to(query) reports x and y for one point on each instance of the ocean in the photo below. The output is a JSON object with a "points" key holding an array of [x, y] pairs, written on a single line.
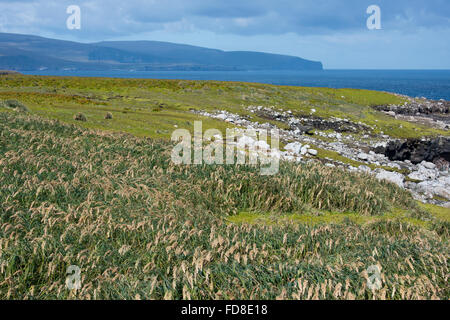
{"points": [[432, 84]]}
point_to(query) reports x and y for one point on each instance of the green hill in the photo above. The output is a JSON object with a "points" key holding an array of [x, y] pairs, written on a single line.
{"points": [[27, 52]]}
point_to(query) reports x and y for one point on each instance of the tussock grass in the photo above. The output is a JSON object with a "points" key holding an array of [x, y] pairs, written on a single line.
{"points": [[80, 117], [13, 104], [140, 227]]}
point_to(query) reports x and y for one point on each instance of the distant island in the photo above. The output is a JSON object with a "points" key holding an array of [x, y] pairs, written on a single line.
{"points": [[33, 53]]}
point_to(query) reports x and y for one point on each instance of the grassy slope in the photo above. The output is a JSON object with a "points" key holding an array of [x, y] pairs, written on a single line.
{"points": [[146, 107], [140, 227]]}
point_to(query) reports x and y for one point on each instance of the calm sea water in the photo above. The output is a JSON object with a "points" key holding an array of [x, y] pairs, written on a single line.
{"points": [[432, 84]]}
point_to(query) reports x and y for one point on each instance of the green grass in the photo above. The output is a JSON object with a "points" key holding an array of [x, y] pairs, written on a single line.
{"points": [[139, 226], [438, 212], [147, 107], [425, 219]]}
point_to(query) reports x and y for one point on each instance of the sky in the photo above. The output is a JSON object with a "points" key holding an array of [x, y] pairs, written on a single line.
{"points": [[414, 34]]}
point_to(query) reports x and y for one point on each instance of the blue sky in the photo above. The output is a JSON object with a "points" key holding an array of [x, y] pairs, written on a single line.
{"points": [[415, 33]]}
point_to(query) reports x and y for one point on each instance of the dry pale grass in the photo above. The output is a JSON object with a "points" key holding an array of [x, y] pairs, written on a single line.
{"points": [[138, 226]]}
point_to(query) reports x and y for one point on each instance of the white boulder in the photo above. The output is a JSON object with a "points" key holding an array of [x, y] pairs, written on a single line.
{"points": [[423, 174], [363, 156], [439, 187], [428, 165], [394, 177], [294, 147], [304, 150], [221, 116], [364, 168]]}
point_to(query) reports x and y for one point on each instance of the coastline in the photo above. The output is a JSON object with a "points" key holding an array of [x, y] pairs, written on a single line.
{"points": [[431, 84]]}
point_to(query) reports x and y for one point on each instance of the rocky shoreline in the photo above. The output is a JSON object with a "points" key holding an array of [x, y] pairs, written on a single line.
{"points": [[419, 165], [428, 112]]}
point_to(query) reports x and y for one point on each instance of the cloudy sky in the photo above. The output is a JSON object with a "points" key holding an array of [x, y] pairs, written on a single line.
{"points": [[415, 33]]}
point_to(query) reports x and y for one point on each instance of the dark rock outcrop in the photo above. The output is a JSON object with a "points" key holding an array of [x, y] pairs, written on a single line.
{"points": [[417, 150], [427, 107], [307, 124], [340, 126]]}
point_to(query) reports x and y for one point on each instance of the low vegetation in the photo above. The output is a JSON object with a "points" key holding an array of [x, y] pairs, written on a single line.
{"points": [[80, 117], [151, 108]]}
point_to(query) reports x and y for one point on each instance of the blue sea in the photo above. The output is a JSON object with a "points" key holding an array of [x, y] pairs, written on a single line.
{"points": [[432, 84]]}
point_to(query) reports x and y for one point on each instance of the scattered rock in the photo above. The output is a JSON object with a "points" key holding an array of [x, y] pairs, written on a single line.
{"points": [[294, 147], [394, 177], [364, 168], [307, 123], [428, 165], [440, 188], [221, 116], [304, 150], [363, 156], [442, 192], [427, 112], [415, 107], [423, 174], [426, 161]]}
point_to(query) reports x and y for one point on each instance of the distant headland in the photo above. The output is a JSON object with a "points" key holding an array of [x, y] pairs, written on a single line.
{"points": [[32, 53]]}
